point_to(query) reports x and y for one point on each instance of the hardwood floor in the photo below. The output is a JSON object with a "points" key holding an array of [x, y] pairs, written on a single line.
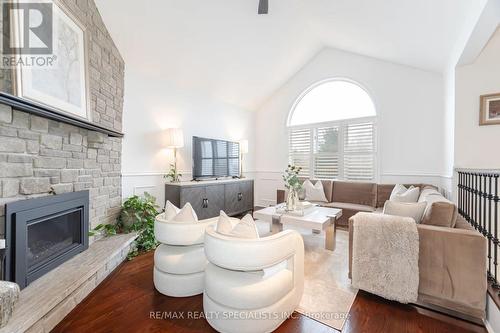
{"points": [[127, 302]]}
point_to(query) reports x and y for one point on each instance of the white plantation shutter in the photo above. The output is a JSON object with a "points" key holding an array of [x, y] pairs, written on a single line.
{"points": [[359, 151], [326, 152], [342, 150], [300, 143]]}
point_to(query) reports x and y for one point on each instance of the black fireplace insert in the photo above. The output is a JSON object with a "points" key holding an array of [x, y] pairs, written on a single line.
{"points": [[43, 233]]}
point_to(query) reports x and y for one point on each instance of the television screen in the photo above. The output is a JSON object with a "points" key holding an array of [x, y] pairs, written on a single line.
{"points": [[215, 158]]}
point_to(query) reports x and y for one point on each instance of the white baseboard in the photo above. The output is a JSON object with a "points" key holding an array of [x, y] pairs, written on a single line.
{"points": [[488, 327]]}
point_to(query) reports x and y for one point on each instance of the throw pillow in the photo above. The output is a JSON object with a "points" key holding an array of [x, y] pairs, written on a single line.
{"points": [[170, 211], [405, 209], [186, 214], [397, 190], [314, 192], [426, 192], [401, 194], [244, 228], [440, 211]]}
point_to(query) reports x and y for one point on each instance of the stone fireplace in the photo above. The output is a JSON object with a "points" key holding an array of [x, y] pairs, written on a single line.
{"points": [[46, 155], [41, 155]]}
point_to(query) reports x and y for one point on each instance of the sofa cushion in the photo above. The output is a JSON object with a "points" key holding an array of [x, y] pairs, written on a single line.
{"points": [[406, 209], [463, 224], [327, 188], [314, 192], [384, 192], [170, 210], [397, 190], [237, 289], [244, 228], [180, 259], [355, 193], [186, 214], [349, 206], [440, 211], [402, 194], [426, 191]]}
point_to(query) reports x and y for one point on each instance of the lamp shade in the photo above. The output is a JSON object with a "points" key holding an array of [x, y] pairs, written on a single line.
{"points": [[174, 138], [244, 147]]}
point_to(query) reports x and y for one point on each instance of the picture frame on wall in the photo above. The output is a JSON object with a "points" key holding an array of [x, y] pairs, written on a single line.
{"points": [[489, 109], [63, 86]]}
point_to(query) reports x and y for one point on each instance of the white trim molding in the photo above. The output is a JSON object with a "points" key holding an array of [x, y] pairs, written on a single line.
{"points": [[477, 170], [412, 174]]}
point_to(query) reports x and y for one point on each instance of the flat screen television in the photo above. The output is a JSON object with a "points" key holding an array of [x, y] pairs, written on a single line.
{"points": [[215, 158]]}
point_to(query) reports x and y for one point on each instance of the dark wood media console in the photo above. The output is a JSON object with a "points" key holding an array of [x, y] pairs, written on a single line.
{"points": [[208, 198]]}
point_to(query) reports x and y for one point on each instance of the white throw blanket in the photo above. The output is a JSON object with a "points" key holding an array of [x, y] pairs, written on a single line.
{"points": [[385, 256]]}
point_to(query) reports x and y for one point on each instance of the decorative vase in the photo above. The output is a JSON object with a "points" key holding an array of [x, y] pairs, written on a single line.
{"points": [[292, 199]]}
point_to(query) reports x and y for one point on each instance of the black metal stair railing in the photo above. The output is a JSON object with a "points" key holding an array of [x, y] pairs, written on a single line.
{"points": [[478, 202]]}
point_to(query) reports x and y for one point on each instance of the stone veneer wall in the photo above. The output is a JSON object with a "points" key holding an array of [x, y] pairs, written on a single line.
{"points": [[105, 66], [40, 156]]}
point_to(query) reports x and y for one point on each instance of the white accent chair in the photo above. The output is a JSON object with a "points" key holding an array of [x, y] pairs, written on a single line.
{"points": [[179, 261], [252, 285]]}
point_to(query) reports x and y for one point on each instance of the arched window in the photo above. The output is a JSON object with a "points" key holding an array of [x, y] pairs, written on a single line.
{"points": [[332, 131]]}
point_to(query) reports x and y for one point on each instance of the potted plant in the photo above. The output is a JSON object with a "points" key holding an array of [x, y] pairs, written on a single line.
{"points": [[173, 174], [293, 185], [137, 215]]}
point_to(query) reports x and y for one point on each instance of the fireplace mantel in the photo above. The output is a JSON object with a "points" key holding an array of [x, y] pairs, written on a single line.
{"points": [[25, 105]]}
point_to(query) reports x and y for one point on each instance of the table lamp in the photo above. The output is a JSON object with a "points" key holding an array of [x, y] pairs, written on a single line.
{"points": [[243, 150], [174, 140]]}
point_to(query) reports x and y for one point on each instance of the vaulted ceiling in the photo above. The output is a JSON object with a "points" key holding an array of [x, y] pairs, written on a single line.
{"points": [[223, 49]]}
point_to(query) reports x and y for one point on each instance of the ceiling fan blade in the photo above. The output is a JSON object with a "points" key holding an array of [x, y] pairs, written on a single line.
{"points": [[263, 6]]}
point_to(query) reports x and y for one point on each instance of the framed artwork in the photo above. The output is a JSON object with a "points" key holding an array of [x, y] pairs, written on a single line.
{"points": [[490, 110], [64, 85]]}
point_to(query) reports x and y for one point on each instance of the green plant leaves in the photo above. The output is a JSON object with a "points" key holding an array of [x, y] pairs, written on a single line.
{"points": [[137, 215], [291, 177]]}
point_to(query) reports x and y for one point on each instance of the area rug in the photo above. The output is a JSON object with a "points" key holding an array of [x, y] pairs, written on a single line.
{"points": [[328, 295]]}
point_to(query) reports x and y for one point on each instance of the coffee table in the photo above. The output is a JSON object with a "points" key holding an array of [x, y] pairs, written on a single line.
{"points": [[315, 218]]}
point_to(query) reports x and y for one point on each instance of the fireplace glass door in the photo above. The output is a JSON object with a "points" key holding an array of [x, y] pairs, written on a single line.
{"points": [[42, 233], [49, 237]]}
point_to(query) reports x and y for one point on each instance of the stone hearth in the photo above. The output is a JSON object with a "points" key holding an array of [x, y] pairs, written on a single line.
{"points": [[46, 301]]}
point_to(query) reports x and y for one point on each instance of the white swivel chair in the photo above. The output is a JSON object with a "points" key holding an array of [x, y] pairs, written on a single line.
{"points": [[251, 285], [179, 261]]}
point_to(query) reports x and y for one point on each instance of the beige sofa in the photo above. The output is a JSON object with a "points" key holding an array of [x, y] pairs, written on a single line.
{"points": [[452, 269], [452, 255], [352, 197]]}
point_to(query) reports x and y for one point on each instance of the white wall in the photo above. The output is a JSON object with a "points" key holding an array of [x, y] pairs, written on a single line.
{"points": [[492, 316], [152, 105], [410, 119], [477, 146], [449, 128], [474, 25]]}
